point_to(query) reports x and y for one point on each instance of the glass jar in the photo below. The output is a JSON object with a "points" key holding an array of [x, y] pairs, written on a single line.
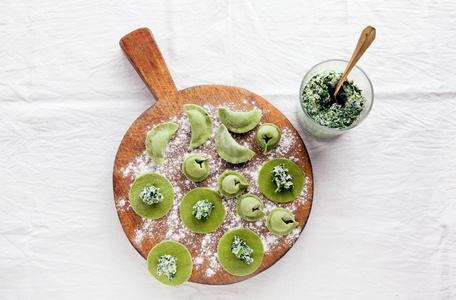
{"points": [[359, 78]]}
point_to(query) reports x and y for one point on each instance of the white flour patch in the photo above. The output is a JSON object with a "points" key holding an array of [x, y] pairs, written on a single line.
{"points": [[204, 246]]}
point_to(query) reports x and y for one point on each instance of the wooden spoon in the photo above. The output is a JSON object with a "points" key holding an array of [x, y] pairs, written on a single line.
{"points": [[365, 40]]}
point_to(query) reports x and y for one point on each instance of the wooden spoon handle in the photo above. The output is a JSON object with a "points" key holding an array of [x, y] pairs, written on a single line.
{"points": [[365, 40], [143, 53]]}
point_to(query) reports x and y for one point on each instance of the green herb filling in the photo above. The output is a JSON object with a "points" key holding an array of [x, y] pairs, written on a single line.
{"points": [[151, 195], [202, 209], [320, 105], [242, 250], [167, 266], [281, 178]]}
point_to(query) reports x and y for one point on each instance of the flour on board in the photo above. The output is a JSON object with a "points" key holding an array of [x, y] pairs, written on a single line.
{"points": [[204, 247]]}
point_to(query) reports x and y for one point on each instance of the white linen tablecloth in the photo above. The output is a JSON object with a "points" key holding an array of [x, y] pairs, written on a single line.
{"points": [[383, 221]]}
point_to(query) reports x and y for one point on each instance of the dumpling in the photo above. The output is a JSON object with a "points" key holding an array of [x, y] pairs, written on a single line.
{"points": [[229, 149], [280, 221], [157, 139], [200, 123], [250, 207], [196, 167], [268, 137], [239, 122], [231, 184]]}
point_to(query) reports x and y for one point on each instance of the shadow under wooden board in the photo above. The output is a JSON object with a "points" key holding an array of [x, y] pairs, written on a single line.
{"points": [[132, 160]]}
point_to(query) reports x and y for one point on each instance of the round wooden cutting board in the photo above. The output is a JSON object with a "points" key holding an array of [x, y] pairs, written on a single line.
{"points": [[131, 161]]}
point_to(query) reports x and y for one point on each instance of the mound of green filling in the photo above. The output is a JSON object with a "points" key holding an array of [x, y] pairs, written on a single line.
{"points": [[281, 178], [151, 195], [202, 209], [320, 106], [241, 250], [167, 266]]}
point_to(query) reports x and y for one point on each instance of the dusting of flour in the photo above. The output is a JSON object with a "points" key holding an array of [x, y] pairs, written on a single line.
{"points": [[203, 247]]}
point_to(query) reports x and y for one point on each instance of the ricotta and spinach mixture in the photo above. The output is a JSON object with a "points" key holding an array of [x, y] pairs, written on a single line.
{"points": [[167, 266], [151, 195], [202, 209], [281, 178], [241, 250], [317, 97]]}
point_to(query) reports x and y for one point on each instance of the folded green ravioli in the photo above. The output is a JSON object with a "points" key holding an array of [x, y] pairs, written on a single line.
{"points": [[239, 121], [229, 149], [200, 124], [281, 221], [157, 139], [231, 184]]}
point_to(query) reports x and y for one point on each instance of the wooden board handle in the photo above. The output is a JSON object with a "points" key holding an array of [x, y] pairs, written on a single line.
{"points": [[143, 53]]}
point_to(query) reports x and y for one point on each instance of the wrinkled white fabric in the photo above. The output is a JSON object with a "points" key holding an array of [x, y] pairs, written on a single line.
{"points": [[383, 222]]}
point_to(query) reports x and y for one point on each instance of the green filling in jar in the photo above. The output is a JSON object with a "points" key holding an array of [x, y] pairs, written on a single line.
{"points": [[317, 97]]}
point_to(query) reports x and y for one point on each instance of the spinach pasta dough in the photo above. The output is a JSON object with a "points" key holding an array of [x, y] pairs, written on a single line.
{"points": [[281, 180], [151, 196], [200, 124], [281, 221], [268, 137], [250, 208], [157, 139], [196, 167], [170, 263], [231, 184], [229, 256], [193, 205], [229, 149], [239, 122]]}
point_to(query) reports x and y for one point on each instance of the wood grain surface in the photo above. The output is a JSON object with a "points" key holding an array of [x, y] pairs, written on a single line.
{"points": [[141, 49]]}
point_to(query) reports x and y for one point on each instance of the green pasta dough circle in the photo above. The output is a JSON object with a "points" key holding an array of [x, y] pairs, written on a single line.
{"points": [[204, 225], [281, 221], [250, 207], [231, 184], [230, 262], [196, 168], [157, 210], [267, 187], [184, 262]]}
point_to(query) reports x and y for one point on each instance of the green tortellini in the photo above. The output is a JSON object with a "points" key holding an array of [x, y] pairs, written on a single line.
{"points": [[200, 123], [250, 207], [268, 187], [280, 221], [196, 167], [231, 184], [230, 262], [229, 149], [202, 225], [239, 122], [184, 262], [268, 137], [156, 210], [157, 139]]}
